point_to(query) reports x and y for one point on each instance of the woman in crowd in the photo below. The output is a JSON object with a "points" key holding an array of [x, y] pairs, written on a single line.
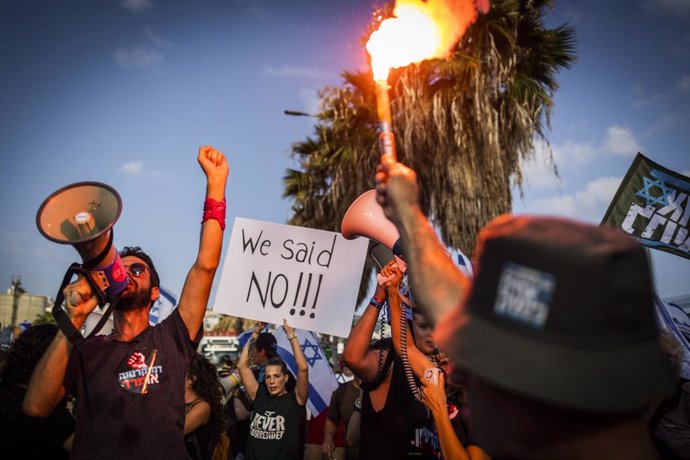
{"points": [[204, 424], [279, 417]]}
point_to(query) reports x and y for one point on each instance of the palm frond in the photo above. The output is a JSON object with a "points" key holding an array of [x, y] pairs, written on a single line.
{"points": [[464, 125]]}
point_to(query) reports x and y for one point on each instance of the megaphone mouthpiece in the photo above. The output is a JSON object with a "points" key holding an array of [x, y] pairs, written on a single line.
{"points": [[365, 217]]}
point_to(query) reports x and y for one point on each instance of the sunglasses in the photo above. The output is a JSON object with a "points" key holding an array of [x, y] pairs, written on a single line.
{"points": [[136, 269]]}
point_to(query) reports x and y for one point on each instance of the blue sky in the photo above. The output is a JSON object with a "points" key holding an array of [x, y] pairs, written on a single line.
{"points": [[123, 92]]}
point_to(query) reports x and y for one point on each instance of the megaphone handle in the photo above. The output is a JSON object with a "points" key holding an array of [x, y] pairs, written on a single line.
{"points": [[63, 321], [61, 318]]}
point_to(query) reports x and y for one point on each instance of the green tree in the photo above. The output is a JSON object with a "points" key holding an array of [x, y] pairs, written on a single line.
{"points": [[45, 318], [464, 124], [233, 324]]}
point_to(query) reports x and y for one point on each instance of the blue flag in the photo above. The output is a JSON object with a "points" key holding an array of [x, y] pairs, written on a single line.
{"points": [[244, 337], [163, 306]]}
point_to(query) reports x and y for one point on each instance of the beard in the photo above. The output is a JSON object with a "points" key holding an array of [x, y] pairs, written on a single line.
{"points": [[136, 299]]}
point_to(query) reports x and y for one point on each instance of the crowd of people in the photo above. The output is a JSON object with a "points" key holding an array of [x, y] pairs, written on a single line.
{"points": [[551, 351]]}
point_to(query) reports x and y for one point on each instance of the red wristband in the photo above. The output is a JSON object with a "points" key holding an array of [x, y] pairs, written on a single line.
{"points": [[214, 209]]}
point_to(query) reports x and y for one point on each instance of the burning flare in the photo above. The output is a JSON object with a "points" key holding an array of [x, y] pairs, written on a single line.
{"points": [[420, 30]]}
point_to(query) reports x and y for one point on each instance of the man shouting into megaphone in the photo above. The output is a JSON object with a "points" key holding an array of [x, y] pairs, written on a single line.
{"points": [[129, 385]]}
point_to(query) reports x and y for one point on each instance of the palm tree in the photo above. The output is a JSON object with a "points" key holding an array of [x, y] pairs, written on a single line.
{"points": [[464, 124], [233, 324], [45, 318]]}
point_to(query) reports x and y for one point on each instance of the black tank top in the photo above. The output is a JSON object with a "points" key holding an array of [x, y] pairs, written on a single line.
{"points": [[402, 428], [198, 442]]}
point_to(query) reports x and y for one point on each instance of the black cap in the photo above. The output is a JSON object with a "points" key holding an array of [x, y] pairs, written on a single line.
{"points": [[561, 311], [267, 341]]}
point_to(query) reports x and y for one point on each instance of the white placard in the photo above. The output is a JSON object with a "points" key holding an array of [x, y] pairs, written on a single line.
{"points": [[309, 277]]}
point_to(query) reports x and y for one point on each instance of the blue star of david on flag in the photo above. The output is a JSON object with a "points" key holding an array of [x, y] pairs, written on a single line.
{"points": [[646, 192], [313, 354]]}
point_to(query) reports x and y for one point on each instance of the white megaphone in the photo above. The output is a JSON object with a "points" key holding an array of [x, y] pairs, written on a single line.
{"points": [[83, 214], [365, 218]]}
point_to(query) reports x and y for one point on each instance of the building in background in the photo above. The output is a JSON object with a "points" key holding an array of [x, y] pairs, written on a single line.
{"points": [[18, 306]]}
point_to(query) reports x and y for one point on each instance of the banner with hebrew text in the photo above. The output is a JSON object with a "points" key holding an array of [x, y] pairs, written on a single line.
{"points": [[652, 204]]}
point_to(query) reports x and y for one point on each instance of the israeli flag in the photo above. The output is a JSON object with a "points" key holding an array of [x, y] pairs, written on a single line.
{"points": [[162, 308], [668, 323], [243, 338], [322, 381], [462, 261]]}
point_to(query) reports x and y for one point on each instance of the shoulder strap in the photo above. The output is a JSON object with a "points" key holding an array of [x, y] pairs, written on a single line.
{"points": [[61, 318], [189, 405]]}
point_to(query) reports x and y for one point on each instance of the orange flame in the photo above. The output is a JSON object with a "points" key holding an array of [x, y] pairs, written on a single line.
{"points": [[420, 30]]}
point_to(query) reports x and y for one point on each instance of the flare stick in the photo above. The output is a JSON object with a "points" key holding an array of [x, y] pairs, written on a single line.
{"points": [[383, 110]]}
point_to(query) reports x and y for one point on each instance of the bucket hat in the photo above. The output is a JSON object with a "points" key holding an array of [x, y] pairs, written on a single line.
{"points": [[562, 311]]}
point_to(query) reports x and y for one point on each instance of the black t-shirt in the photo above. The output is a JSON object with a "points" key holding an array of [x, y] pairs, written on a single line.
{"points": [[130, 396], [403, 428], [276, 431]]}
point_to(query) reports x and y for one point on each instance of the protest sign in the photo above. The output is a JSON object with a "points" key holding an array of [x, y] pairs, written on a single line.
{"points": [[274, 272]]}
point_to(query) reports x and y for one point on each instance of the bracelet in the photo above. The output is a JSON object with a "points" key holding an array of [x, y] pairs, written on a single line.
{"points": [[377, 303], [293, 336], [214, 209]]}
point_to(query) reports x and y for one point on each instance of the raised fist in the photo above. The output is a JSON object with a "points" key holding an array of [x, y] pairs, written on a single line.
{"points": [[136, 361]]}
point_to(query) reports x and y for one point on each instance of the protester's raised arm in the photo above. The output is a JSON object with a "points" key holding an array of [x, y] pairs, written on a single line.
{"points": [[46, 386], [434, 398], [197, 286], [418, 361], [246, 374], [439, 285], [363, 362], [302, 387]]}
